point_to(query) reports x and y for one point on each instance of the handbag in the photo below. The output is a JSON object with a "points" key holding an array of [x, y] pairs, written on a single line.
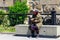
{"points": [[34, 27]]}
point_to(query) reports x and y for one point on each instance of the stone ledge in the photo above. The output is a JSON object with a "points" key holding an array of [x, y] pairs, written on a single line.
{"points": [[7, 32], [45, 30]]}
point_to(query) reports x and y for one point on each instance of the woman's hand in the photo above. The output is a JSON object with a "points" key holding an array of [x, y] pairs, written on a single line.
{"points": [[37, 21], [32, 19]]}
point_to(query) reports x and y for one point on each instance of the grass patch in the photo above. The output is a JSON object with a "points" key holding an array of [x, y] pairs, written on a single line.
{"points": [[7, 29]]}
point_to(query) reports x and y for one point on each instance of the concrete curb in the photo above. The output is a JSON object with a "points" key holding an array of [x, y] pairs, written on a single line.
{"points": [[7, 32]]}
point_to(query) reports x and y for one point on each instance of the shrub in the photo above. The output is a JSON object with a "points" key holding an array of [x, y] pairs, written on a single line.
{"points": [[1, 16], [18, 8]]}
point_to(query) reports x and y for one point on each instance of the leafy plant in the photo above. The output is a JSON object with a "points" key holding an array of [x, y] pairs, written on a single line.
{"points": [[18, 8], [1, 16]]}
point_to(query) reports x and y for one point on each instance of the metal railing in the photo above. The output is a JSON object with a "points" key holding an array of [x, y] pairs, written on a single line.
{"points": [[5, 18], [10, 17]]}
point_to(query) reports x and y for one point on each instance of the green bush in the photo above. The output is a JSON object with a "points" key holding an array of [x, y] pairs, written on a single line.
{"points": [[1, 16], [18, 8]]}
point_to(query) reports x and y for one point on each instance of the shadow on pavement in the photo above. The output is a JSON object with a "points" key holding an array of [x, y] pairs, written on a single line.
{"points": [[40, 36]]}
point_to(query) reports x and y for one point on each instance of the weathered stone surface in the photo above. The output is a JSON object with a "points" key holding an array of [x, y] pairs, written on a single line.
{"points": [[46, 30]]}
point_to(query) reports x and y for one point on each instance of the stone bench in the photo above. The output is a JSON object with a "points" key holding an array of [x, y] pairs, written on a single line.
{"points": [[45, 30]]}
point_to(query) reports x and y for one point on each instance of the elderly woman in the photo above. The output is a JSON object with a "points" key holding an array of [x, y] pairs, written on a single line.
{"points": [[36, 21]]}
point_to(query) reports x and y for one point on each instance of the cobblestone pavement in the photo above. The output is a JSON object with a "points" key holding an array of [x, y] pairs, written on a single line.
{"points": [[12, 37]]}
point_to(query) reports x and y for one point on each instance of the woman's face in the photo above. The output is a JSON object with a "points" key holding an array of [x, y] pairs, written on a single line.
{"points": [[34, 15]]}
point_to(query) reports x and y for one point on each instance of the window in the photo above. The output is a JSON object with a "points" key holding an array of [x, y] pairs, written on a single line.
{"points": [[3, 0], [20, 0]]}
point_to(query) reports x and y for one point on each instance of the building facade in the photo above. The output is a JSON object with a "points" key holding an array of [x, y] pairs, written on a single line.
{"points": [[4, 4], [47, 3]]}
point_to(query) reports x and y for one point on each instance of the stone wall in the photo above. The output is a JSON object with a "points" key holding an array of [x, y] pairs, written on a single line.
{"points": [[6, 3]]}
